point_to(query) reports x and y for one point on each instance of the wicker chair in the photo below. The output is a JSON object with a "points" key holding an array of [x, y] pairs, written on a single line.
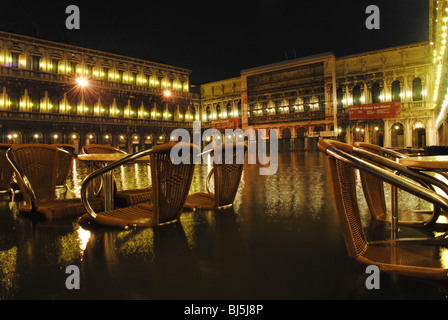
{"points": [[412, 257], [122, 198], [227, 179], [170, 187], [65, 163], [6, 170], [37, 168], [373, 187]]}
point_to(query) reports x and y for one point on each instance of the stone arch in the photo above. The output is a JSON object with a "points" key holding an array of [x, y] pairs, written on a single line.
{"points": [[397, 135], [419, 134]]}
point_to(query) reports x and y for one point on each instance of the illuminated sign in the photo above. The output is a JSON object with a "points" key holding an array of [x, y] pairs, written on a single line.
{"points": [[375, 111], [223, 124]]}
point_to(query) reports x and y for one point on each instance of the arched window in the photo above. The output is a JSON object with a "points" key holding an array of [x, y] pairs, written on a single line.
{"points": [[356, 95], [396, 91], [376, 93], [417, 90]]}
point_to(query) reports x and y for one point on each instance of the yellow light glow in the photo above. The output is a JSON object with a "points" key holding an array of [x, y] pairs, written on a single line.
{"points": [[82, 82]]}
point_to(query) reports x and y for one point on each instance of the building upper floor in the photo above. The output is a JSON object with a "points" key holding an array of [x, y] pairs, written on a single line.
{"points": [[34, 58], [302, 89], [37, 75]]}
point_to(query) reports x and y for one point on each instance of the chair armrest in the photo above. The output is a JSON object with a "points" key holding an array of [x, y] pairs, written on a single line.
{"points": [[100, 171], [23, 179], [423, 179], [393, 179], [207, 182]]}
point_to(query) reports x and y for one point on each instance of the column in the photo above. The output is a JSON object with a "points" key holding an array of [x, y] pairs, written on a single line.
{"points": [[407, 133], [387, 137]]}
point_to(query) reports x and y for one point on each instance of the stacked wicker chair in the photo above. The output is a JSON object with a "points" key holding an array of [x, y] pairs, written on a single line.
{"points": [[227, 177], [37, 169], [413, 257], [170, 187], [122, 198], [373, 187]]}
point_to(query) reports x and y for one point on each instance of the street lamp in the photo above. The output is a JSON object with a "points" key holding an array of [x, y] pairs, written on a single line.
{"points": [[82, 82]]}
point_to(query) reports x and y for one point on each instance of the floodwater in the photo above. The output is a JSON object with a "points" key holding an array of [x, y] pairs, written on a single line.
{"points": [[280, 241]]}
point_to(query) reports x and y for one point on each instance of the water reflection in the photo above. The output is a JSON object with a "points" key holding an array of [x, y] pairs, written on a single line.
{"points": [[281, 240]]}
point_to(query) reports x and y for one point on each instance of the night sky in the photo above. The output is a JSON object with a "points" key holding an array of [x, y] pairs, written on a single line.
{"points": [[218, 39]]}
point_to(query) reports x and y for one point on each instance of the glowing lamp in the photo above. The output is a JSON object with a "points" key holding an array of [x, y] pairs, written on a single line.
{"points": [[82, 82]]}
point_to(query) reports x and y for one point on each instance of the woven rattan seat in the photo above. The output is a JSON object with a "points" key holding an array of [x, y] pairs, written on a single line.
{"points": [[6, 170], [413, 257], [122, 198], [374, 192], [37, 169], [227, 177], [170, 187]]}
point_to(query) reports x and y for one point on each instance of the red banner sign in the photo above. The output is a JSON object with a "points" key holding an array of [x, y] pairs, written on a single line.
{"points": [[375, 111], [223, 124]]}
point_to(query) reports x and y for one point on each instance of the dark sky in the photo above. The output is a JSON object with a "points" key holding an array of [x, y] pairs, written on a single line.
{"points": [[218, 39]]}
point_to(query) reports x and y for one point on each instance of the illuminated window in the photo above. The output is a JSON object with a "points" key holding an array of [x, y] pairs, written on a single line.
{"points": [[417, 90], [396, 91], [356, 95], [376, 93], [14, 60], [35, 63]]}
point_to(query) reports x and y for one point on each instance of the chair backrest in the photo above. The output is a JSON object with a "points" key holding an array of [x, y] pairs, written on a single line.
{"points": [[227, 176], [6, 170], [170, 182], [36, 166], [100, 148], [344, 188], [65, 162]]}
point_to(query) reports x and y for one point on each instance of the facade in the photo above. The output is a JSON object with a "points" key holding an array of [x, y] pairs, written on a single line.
{"points": [[221, 99], [400, 74], [297, 98], [52, 92], [438, 24]]}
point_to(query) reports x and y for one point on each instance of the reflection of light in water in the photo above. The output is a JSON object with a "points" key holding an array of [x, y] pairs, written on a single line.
{"points": [[122, 176], [83, 239], [141, 243], [444, 257], [136, 175], [133, 176], [76, 188], [8, 263], [239, 193], [189, 226]]}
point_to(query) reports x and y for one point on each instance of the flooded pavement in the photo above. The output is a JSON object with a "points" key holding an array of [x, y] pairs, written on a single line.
{"points": [[280, 241]]}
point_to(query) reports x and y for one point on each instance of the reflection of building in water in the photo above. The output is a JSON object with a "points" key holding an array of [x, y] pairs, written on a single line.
{"points": [[296, 97]]}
